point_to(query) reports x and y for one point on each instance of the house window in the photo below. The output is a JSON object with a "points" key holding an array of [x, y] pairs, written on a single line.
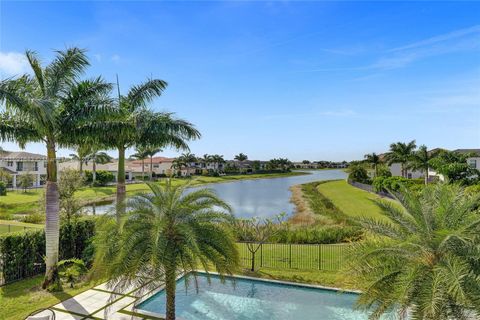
{"points": [[35, 166], [9, 163], [155, 165], [409, 176], [19, 166], [472, 163]]}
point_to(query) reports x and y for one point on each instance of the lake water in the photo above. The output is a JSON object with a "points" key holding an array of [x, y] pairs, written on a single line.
{"points": [[260, 197]]}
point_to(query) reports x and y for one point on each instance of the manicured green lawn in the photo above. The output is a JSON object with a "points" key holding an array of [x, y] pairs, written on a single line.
{"points": [[19, 299], [13, 226], [351, 201], [19, 202]]}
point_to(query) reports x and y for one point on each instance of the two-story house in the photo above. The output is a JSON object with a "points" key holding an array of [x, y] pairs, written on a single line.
{"points": [[17, 163]]}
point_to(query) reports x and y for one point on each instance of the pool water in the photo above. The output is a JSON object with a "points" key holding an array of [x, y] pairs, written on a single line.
{"points": [[247, 299]]}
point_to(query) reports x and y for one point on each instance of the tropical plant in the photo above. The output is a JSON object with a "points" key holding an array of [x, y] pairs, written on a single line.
{"points": [[151, 152], [455, 168], [53, 107], [97, 157], [71, 270], [421, 160], [358, 173], [141, 154], [5, 176], [3, 188], [402, 153], [133, 124], [102, 177], [70, 181], [163, 234], [81, 156], [423, 262], [374, 160], [217, 159], [187, 159], [241, 157]]}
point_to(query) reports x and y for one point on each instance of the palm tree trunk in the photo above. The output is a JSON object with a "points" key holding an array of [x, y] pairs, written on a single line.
{"points": [[151, 168], [121, 179], [52, 222], [143, 169], [426, 176], [81, 167], [170, 287]]}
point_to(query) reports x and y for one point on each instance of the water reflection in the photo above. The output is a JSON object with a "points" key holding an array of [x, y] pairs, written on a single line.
{"points": [[258, 198]]}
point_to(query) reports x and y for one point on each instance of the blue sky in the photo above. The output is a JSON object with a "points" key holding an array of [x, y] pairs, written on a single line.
{"points": [[303, 80]]}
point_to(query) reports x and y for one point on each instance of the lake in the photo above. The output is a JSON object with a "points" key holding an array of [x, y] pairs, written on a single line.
{"points": [[259, 197]]}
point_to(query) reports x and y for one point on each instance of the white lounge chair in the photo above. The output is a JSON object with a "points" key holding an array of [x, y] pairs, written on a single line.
{"points": [[44, 314]]}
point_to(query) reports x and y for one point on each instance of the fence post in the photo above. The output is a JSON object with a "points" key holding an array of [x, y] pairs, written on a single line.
{"points": [[261, 255], [319, 257], [290, 256]]}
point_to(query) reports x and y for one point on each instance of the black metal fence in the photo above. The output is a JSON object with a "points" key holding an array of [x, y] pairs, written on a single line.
{"points": [[329, 257], [16, 273]]}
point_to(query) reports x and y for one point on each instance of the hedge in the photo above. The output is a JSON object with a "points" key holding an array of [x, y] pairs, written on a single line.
{"points": [[22, 253]]}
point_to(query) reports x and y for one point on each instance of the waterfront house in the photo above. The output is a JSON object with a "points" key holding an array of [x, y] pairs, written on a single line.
{"points": [[20, 162]]}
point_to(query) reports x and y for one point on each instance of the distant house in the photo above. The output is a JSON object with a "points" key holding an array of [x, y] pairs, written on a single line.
{"points": [[20, 162], [473, 161]]}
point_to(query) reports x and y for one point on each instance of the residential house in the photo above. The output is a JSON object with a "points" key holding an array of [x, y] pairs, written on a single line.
{"points": [[20, 162], [473, 161]]}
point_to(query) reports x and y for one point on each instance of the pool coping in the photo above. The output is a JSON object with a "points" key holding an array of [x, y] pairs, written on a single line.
{"points": [[140, 312]]}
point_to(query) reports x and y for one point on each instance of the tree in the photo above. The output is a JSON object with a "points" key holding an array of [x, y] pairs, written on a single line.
{"points": [[255, 232], [358, 173], [141, 154], [150, 153], [25, 180], [421, 160], [424, 259], [164, 234], [97, 157], [241, 157], [217, 159], [401, 152], [134, 124], [454, 167], [81, 156], [187, 159], [70, 182], [5, 177], [374, 160], [53, 107]]}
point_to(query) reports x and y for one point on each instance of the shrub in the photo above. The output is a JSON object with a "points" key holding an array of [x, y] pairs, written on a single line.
{"points": [[36, 217], [386, 184], [319, 235], [3, 188], [102, 179], [358, 173], [474, 189], [22, 252]]}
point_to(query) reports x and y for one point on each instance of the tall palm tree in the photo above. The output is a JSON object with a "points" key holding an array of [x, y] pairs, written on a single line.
{"points": [[217, 160], [187, 159], [424, 258], [135, 124], [401, 152], [97, 157], [241, 157], [374, 160], [164, 234], [151, 152], [421, 160], [51, 106], [141, 154], [207, 159], [81, 156]]}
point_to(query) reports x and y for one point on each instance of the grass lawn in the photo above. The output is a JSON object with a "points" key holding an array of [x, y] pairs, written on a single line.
{"points": [[13, 226], [19, 299], [19, 202], [351, 201]]}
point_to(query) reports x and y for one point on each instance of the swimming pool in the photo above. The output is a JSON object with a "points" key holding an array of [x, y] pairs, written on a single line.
{"points": [[249, 299]]}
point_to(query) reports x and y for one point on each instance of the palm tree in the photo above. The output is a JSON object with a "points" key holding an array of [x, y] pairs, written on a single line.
{"points": [[187, 159], [178, 163], [401, 152], [217, 160], [81, 156], [241, 157], [135, 124], [424, 260], [207, 159], [374, 160], [97, 158], [141, 154], [51, 106], [150, 153], [164, 234], [421, 160]]}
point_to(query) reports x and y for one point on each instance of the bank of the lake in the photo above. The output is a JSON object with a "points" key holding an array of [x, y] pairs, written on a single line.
{"points": [[23, 203]]}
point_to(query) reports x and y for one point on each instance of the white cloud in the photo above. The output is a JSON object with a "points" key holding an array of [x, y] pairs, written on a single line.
{"points": [[115, 58], [13, 63]]}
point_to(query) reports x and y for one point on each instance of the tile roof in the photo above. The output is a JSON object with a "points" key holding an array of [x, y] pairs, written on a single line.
{"points": [[21, 155]]}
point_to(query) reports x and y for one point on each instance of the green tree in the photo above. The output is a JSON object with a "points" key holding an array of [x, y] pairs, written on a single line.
{"points": [[358, 173], [402, 153], [97, 157], [81, 156], [164, 234], [70, 181], [454, 167], [53, 107], [421, 160], [141, 154], [187, 159], [134, 124], [241, 157], [424, 258], [25, 180], [374, 160], [217, 159], [151, 152]]}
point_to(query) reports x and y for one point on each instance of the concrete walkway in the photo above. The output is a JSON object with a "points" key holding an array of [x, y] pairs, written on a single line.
{"points": [[101, 302]]}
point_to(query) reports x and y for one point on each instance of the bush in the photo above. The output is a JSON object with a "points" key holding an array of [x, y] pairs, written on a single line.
{"points": [[36, 217], [319, 235], [3, 188], [386, 184], [358, 173], [474, 189], [102, 179], [22, 252]]}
